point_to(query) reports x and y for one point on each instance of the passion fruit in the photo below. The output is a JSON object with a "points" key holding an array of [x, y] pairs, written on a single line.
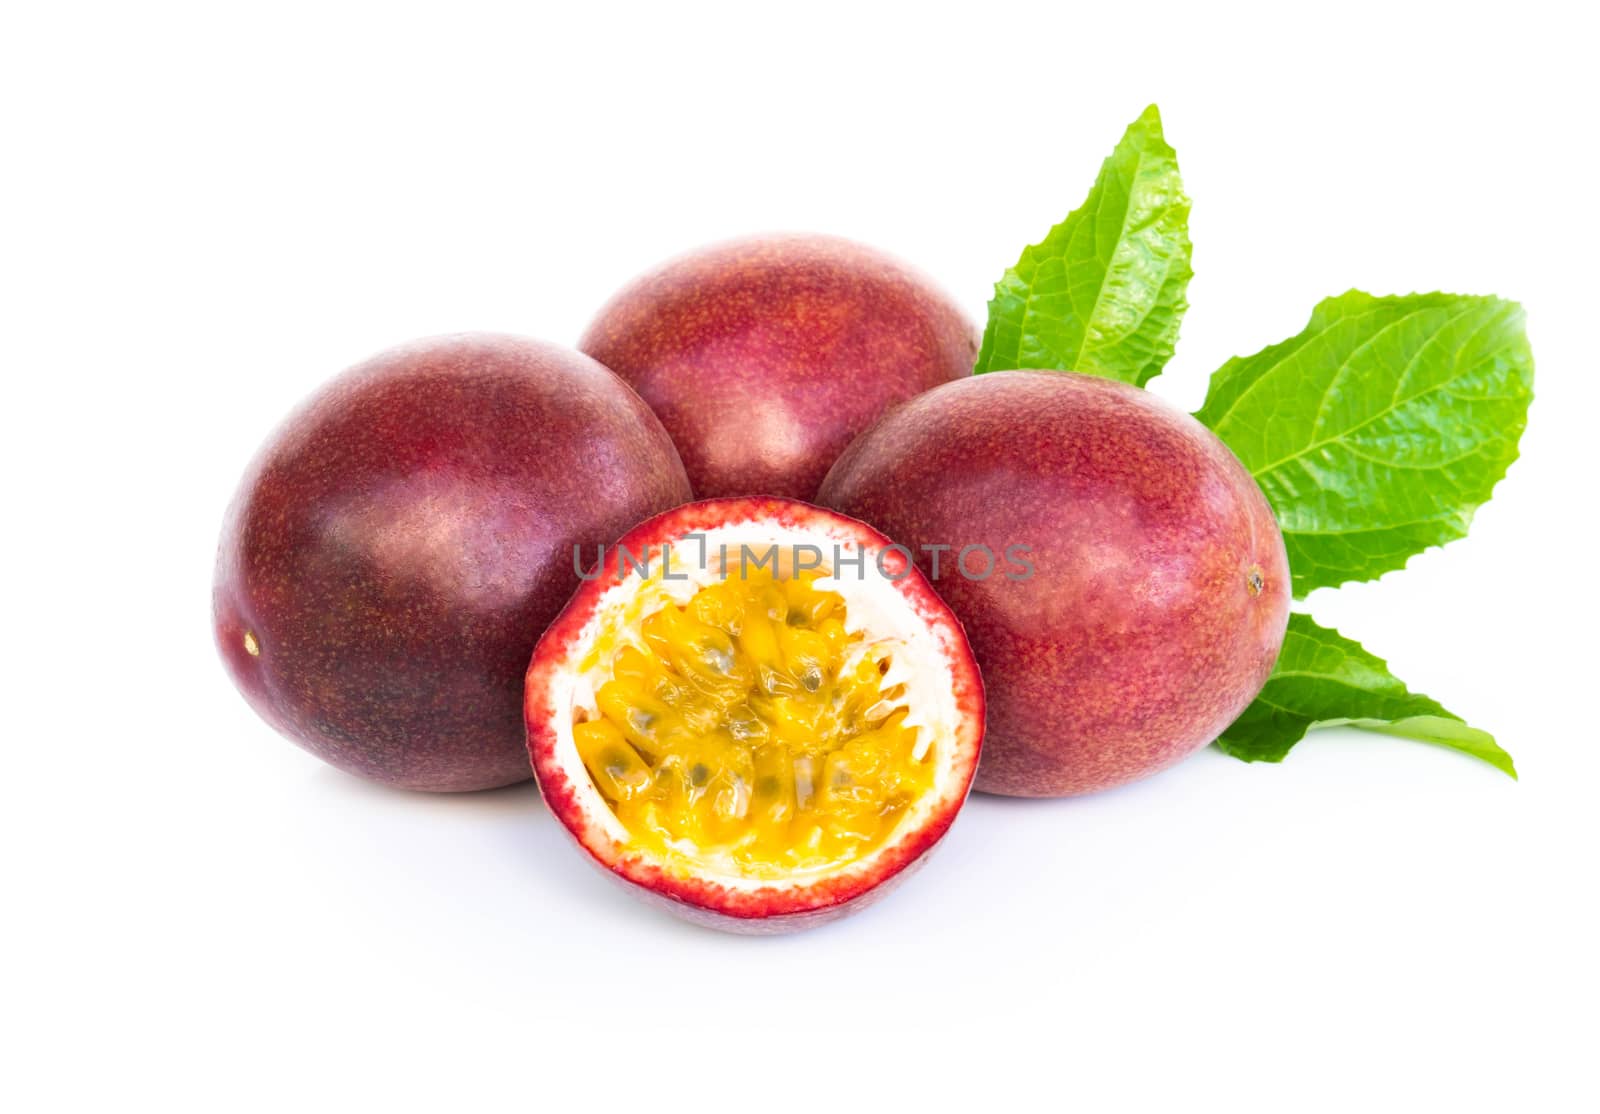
{"points": [[398, 545], [764, 357], [756, 712], [1120, 575]]}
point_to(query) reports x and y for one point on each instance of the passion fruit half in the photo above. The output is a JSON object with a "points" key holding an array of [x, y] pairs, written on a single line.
{"points": [[756, 712]]}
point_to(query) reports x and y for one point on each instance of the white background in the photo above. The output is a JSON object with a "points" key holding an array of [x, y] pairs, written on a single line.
{"points": [[208, 211]]}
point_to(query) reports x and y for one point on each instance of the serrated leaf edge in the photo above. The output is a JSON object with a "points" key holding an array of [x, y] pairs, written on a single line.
{"points": [[1180, 308], [1471, 512], [1376, 726]]}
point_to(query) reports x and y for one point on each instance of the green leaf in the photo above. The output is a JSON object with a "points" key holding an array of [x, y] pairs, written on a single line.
{"points": [[1103, 293], [1378, 430], [1323, 679]]}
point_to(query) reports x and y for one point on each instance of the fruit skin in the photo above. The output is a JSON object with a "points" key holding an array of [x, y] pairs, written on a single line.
{"points": [[400, 542], [768, 909], [764, 357], [1161, 587]]}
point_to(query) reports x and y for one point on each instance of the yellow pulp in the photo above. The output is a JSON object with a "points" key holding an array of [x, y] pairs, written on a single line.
{"points": [[747, 729]]}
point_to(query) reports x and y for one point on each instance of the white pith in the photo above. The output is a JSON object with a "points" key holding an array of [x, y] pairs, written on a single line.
{"points": [[920, 659]]}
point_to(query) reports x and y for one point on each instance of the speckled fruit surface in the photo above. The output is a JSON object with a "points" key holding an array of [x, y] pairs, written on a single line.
{"points": [[764, 357], [1159, 592], [396, 548], [897, 612]]}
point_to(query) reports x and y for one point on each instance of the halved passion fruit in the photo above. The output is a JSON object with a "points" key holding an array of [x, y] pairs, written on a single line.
{"points": [[756, 711]]}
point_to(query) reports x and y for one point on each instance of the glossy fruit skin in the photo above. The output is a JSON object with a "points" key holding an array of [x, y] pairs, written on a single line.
{"points": [[396, 548], [765, 357], [1160, 592], [776, 908]]}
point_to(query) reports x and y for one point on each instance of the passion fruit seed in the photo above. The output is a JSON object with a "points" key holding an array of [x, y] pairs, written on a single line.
{"points": [[748, 726]]}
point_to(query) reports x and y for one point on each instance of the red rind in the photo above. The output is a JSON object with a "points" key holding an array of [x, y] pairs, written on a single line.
{"points": [[764, 357], [1160, 590], [780, 906], [397, 545]]}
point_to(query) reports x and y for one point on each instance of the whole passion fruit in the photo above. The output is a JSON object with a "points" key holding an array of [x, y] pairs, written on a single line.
{"points": [[398, 545], [756, 712], [764, 357], [1120, 575]]}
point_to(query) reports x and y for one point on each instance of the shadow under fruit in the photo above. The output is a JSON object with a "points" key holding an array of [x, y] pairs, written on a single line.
{"points": [[398, 546]]}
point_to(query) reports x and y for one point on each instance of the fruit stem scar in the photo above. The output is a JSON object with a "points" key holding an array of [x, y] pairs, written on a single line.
{"points": [[251, 646], [1255, 580]]}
